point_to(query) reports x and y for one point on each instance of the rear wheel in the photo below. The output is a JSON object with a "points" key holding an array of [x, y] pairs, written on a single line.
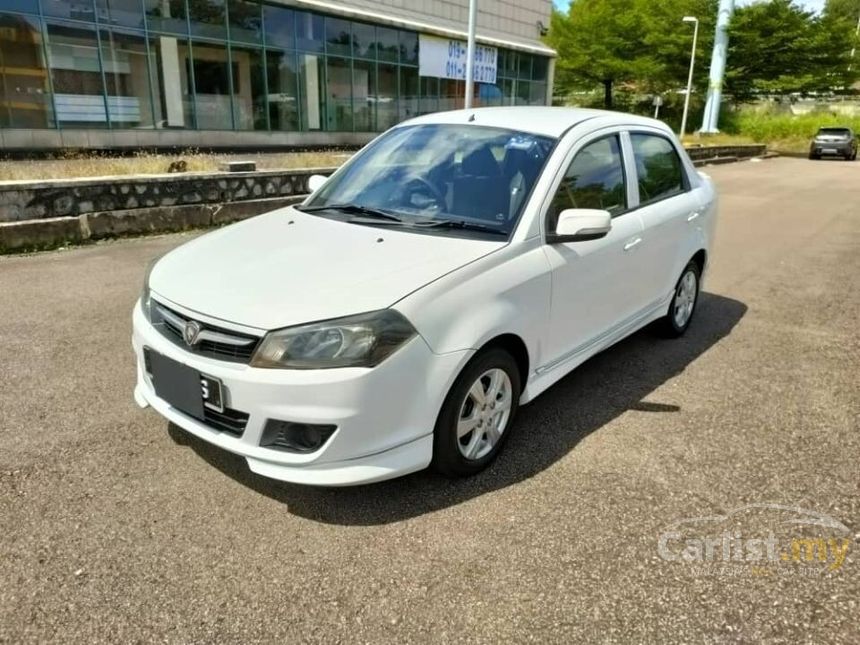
{"points": [[477, 414], [683, 305]]}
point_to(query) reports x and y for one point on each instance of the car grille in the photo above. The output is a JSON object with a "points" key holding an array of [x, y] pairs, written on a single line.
{"points": [[229, 421], [214, 342]]}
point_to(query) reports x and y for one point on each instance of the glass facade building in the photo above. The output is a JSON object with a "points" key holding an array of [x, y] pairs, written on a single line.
{"points": [[225, 65]]}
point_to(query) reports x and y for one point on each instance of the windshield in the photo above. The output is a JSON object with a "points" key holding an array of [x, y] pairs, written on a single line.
{"points": [[834, 132], [455, 177]]}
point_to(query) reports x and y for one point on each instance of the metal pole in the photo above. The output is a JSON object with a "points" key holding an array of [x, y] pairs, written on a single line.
{"points": [[690, 77], [854, 48], [718, 68], [470, 53]]}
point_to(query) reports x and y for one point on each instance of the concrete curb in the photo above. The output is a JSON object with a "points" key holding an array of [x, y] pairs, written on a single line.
{"points": [[45, 234]]}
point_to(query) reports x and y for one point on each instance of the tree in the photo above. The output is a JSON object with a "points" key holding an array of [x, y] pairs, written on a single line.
{"points": [[597, 42], [846, 10], [639, 42], [779, 47]]}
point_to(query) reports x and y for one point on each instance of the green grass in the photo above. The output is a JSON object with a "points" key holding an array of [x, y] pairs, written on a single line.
{"points": [[784, 132], [88, 164]]}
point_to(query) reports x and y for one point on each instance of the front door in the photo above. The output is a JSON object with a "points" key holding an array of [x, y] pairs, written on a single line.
{"points": [[596, 284]]}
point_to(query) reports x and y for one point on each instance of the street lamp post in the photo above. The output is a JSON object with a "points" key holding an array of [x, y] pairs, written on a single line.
{"points": [[695, 21], [470, 54]]}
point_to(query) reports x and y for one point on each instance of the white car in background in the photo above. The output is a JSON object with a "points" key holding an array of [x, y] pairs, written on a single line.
{"points": [[451, 271]]}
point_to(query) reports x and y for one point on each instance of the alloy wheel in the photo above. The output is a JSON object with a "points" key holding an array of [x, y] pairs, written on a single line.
{"points": [[484, 414], [685, 299]]}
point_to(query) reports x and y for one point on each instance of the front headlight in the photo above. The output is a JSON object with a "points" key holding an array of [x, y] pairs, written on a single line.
{"points": [[145, 292], [356, 341]]}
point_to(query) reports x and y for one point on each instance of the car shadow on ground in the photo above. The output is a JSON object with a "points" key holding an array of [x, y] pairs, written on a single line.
{"points": [[591, 396]]}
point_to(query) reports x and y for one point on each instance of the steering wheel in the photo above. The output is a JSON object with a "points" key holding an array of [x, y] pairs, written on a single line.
{"points": [[423, 187]]}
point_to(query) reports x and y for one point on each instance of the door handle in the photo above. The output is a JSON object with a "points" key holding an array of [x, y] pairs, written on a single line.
{"points": [[693, 216], [632, 243]]}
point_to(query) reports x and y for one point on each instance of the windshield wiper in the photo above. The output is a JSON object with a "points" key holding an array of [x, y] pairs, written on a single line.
{"points": [[460, 225], [358, 209]]}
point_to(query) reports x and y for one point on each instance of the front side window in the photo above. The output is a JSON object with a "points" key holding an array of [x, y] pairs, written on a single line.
{"points": [[594, 179], [658, 168], [429, 175]]}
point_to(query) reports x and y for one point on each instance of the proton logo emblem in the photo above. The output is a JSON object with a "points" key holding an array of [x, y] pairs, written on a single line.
{"points": [[191, 332]]}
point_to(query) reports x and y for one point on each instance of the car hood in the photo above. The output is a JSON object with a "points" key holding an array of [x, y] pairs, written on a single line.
{"points": [[288, 267]]}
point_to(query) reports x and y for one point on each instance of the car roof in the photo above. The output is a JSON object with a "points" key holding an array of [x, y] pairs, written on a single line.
{"points": [[542, 120]]}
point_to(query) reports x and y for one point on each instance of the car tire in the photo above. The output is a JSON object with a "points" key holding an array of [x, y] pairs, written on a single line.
{"points": [[683, 304], [813, 157], [471, 429]]}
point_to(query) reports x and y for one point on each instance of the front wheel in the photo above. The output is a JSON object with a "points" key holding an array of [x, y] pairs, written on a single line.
{"points": [[477, 414], [683, 303]]}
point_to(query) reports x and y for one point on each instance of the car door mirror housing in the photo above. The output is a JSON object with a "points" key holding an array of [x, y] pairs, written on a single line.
{"points": [[580, 225], [315, 182]]}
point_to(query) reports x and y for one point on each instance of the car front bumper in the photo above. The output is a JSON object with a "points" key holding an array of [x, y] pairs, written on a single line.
{"points": [[384, 416]]}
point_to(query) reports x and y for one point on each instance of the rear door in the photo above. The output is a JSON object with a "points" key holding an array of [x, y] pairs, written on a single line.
{"points": [[668, 206]]}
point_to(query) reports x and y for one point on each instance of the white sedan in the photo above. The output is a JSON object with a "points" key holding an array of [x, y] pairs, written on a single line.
{"points": [[451, 271]]}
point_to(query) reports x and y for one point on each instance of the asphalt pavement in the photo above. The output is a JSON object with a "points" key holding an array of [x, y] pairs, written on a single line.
{"points": [[115, 527]]}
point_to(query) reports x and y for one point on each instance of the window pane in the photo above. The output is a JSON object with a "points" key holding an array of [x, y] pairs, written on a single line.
{"points": [[387, 47], [171, 87], [246, 21], [363, 40], [488, 94], [166, 16], [310, 32], [537, 93], [338, 36], [595, 179], [126, 68], [364, 95], [540, 68], [429, 95], [24, 98], [507, 87], [408, 103], [525, 66], [122, 13], [208, 18], [386, 103], [338, 95], [249, 90], [211, 73], [452, 94], [27, 6], [409, 47], [76, 75], [311, 90], [507, 63], [657, 166], [73, 9], [523, 93], [283, 90], [280, 26]]}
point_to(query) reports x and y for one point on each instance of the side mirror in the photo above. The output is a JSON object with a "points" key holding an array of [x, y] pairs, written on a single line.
{"points": [[316, 182], [580, 225]]}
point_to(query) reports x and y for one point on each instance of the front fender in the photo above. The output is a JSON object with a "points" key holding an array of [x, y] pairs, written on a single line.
{"points": [[504, 293]]}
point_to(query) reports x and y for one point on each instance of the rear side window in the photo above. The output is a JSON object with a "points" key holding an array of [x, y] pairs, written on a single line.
{"points": [[594, 179], [658, 167]]}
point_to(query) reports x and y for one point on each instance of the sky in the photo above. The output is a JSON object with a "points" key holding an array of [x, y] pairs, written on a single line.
{"points": [[813, 5]]}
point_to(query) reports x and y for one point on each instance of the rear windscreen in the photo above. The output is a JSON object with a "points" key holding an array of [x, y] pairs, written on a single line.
{"points": [[835, 131]]}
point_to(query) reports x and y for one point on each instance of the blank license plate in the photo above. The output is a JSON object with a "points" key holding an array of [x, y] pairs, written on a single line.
{"points": [[183, 387], [829, 151]]}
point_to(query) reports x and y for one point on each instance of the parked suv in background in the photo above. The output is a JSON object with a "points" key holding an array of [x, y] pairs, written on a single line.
{"points": [[839, 142], [452, 270]]}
